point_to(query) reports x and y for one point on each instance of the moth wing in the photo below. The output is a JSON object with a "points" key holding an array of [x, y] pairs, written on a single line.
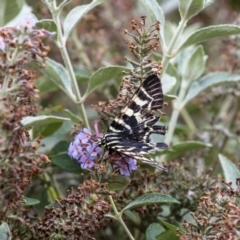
{"points": [[149, 96], [136, 150]]}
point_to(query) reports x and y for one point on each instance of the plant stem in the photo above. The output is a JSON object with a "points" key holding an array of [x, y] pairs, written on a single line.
{"points": [[53, 191], [176, 103], [167, 55], [118, 216], [177, 106], [67, 61]]}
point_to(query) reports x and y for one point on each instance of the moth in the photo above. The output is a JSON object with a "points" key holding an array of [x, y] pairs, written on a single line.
{"points": [[130, 131]]}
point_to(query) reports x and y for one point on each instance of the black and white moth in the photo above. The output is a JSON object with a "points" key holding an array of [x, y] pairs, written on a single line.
{"points": [[129, 133]]}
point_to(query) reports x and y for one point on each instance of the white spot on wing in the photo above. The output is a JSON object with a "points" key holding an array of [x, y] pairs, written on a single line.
{"points": [[128, 111], [121, 122], [139, 102]]}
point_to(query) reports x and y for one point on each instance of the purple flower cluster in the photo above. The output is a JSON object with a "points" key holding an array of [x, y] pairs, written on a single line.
{"points": [[84, 149], [126, 165]]}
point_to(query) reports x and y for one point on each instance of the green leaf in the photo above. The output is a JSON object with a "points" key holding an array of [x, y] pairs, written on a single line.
{"points": [[48, 129], [209, 80], [41, 120], [190, 8], [169, 30], [103, 75], [63, 161], [133, 217], [5, 233], [150, 198], [76, 14], [172, 71], [74, 117], [168, 234], [82, 76], [153, 230], [45, 85], [30, 201], [188, 31], [182, 147], [9, 10], [211, 32], [49, 142], [171, 233], [154, 11], [55, 72], [60, 158], [116, 183], [168, 82], [194, 65], [230, 170], [47, 24], [168, 225]]}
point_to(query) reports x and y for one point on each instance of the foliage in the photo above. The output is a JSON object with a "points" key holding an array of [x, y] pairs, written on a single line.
{"points": [[56, 183]]}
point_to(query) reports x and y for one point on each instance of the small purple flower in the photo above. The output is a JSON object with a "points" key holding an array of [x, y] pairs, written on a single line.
{"points": [[86, 162], [93, 149], [75, 151], [84, 148], [127, 164], [76, 142], [2, 43], [84, 136], [29, 21]]}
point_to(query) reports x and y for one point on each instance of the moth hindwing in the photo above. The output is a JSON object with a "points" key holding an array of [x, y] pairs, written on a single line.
{"points": [[129, 133]]}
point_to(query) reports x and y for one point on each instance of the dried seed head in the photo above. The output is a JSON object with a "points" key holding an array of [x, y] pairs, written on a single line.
{"points": [[144, 42]]}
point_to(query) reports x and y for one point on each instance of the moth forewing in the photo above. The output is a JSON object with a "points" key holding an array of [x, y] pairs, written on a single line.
{"points": [[129, 133]]}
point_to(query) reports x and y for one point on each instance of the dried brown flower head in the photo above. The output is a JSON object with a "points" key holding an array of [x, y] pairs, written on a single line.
{"points": [[217, 216], [18, 158], [78, 216]]}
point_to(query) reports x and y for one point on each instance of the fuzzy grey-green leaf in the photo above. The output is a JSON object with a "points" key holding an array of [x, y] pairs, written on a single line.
{"points": [[47, 24], [189, 8], [153, 231], [150, 198], [194, 65], [41, 120], [5, 233], [76, 14], [211, 32], [168, 82], [57, 73], [209, 80], [230, 170], [103, 75]]}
